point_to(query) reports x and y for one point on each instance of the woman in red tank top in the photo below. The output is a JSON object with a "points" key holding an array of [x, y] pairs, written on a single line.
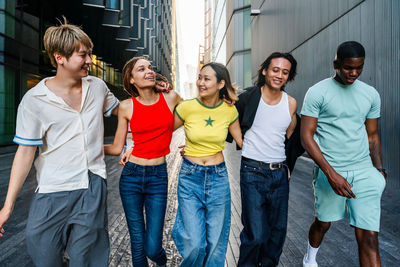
{"points": [[144, 179]]}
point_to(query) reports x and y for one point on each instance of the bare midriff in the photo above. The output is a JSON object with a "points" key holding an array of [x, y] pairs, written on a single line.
{"points": [[207, 160], [147, 162]]}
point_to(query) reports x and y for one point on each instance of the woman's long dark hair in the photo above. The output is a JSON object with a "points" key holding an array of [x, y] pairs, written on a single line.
{"points": [[228, 92]]}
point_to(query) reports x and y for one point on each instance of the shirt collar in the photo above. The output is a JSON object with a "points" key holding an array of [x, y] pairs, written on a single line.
{"points": [[85, 89], [42, 90]]}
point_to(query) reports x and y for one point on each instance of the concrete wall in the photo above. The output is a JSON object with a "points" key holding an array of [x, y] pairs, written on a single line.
{"points": [[312, 30]]}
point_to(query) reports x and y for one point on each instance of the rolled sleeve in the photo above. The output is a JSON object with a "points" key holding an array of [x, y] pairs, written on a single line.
{"points": [[375, 111], [234, 115], [29, 131], [110, 103], [180, 110], [312, 103]]}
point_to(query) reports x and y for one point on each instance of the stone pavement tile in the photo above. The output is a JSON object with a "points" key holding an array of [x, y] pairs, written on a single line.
{"points": [[174, 161], [338, 249], [12, 244], [389, 237], [120, 252], [122, 255], [235, 230], [234, 244], [6, 160], [230, 257]]}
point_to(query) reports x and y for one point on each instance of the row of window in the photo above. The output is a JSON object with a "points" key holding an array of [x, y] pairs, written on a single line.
{"points": [[9, 91]]}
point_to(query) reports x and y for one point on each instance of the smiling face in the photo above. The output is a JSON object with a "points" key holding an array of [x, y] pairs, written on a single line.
{"points": [[143, 75], [208, 84], [78, 63], [348, 69], [277, 73]]}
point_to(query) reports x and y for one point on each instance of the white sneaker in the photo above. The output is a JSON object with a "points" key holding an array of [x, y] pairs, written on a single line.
{"points": [[307, 264]]}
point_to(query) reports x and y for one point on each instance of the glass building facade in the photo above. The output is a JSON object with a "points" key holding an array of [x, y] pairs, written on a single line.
{"points": [[238, 42], [20, 58], [313, 39], [119, 29], [219, 29], [228, 37]]}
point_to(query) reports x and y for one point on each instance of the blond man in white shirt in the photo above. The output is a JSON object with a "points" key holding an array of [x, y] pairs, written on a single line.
{"points": [[63, 116]]}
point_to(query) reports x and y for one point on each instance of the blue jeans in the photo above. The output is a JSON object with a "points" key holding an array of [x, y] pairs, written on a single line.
{"points": [[145, 186], [201, 229], [265, 195]]}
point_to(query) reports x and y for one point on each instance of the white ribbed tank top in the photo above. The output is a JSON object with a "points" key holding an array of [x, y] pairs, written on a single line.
{"points": [[265, 140]]}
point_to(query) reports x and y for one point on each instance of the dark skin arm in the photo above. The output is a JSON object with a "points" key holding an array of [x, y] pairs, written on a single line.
{"points": [[375, 150], [337, 182]]}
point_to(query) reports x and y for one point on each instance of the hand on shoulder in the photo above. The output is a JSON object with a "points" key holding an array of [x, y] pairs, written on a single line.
{"points": [[162, 84]]}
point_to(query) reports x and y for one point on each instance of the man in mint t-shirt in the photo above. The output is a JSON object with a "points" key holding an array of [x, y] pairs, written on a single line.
{"points": [[339, 129]]}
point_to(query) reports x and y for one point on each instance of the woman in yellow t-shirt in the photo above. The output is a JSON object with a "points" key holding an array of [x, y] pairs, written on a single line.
{"points": [[201, 229]]}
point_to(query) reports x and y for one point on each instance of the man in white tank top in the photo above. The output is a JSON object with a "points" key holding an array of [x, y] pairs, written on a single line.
{"points": [[267, 116]]}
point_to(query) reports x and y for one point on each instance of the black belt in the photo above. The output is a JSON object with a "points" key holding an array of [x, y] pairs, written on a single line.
{"points": [[271, 166]]}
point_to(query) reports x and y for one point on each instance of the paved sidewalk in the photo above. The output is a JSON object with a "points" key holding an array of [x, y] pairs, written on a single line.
{"points": [[339, 247]]}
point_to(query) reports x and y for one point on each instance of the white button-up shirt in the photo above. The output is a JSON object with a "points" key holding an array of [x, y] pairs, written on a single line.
{"points": [[71, 142]]}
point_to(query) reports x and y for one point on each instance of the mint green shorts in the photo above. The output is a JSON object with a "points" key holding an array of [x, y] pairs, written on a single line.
{"points": [[364, 211]]}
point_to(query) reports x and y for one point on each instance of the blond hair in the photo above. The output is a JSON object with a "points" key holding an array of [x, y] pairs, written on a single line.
{"points": [[65, 39]]}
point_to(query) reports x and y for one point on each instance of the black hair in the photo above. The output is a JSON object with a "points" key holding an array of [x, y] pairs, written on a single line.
{"points": [[228, 92], [264, 66], [349, 49]]}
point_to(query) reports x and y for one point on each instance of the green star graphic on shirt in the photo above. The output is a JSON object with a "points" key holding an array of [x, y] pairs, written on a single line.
{"points": [[209, 121]]}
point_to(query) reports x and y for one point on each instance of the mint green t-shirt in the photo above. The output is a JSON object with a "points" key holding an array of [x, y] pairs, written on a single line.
{"points": [[341, 111]]}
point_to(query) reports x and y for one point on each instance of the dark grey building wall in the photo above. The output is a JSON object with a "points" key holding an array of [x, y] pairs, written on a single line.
{"points": [[312, 30]]}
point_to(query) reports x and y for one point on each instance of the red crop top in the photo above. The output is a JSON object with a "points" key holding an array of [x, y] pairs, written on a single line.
{"points": [[151, 127]]}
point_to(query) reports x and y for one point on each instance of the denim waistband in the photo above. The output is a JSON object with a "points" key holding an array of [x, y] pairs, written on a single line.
{"points": [[191, 167], [198, 167], [133, 166], [191, 163], [272, 165]]}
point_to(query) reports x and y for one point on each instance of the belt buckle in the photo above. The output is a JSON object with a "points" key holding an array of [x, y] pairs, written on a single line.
{"points": [[272, 166]]}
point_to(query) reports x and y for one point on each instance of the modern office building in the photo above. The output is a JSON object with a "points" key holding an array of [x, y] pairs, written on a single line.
{"points": [[312, 30], [219, 18], [119, 29], [238, 41], [228, 37], [208, 25]]}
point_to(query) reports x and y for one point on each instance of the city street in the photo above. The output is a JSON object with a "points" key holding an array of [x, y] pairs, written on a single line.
{"points": [[64, 64], [339, 247]]}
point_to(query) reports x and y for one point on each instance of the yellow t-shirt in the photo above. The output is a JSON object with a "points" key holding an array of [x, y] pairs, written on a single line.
{"points": [[206, 128]]}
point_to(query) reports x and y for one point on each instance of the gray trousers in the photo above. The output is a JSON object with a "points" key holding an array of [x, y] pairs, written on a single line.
{"points": [[72, 221]]}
